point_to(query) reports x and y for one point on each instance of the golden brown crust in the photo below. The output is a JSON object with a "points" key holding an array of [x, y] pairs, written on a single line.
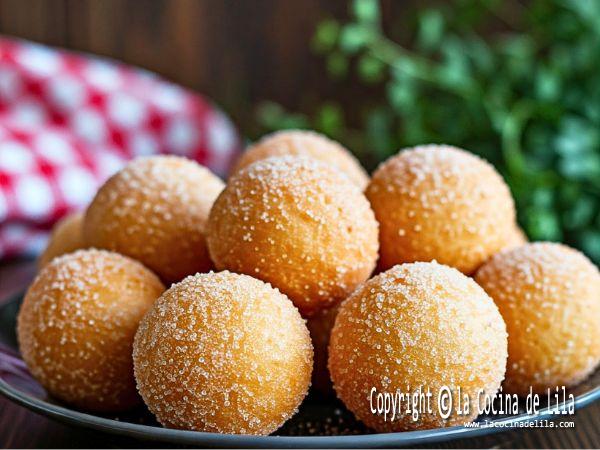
{"points": [[155, 210], [222, 352], [77, 323], [420, 324], [516, 238], [297, 224], [440, 203], [305, 143], [549, 296], [66, 237]]}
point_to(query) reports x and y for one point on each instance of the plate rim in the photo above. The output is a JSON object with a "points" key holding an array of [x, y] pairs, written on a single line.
{"points": [[148, 432]]}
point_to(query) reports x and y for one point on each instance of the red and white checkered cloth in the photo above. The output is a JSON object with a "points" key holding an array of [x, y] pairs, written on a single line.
{"points": [[68, 121]]}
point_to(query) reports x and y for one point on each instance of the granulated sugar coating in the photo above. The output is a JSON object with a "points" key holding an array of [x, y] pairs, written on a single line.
{"points": [[67, 236], [223, 352], [309, 144], [298, 224], [320, 327], [77, 323], [436, 202], [549, 296], [155, 211], [417, 325], [516, 238]]}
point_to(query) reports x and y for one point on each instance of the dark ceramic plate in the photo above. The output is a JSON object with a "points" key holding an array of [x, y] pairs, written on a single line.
{"points": [[320, 423]]}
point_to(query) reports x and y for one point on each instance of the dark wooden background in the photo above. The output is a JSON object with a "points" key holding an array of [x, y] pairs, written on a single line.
{"points": [[239, 53]]}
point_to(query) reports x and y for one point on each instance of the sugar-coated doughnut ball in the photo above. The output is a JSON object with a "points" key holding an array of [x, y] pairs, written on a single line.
{"points": [[223, 352], [305, 143], [155, 210], [436, 202], [516, 238], [549, 296], [417, 325], [77, 323], [320, 326], [298, 224], [66, 237]]}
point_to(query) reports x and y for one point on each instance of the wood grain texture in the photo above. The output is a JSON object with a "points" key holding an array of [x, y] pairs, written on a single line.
{"points": [[238, 52]]}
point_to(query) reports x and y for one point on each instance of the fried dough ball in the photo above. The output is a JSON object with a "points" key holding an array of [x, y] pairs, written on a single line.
{"points": [[516, 238], [549, 296], [417, 325], [309, 144], [66, 237], [77, 323], [223, 352], [320, 327], [155, 210], [298, 224], [436, 202]]}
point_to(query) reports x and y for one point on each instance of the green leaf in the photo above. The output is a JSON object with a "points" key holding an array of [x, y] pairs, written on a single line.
{"points": [[337, 65], [518, 52], [481, 54], [547, 84], [401, 94], [518, 46], [542, 197], [590, 243], [543, 224], [370, 69], [431, 29], [584, 167], [326, 35], [456, 66], [273, 117], [519, 87], [581, 213], [330, 119], [378, 131], [366, 10], [576, 137], [353, 38], [588, 11]]}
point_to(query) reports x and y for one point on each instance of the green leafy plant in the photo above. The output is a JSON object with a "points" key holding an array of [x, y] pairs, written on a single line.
{"points": [[526, 97]]}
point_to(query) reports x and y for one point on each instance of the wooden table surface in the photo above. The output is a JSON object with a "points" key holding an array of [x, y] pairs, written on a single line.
{"points": [[21, 428]]}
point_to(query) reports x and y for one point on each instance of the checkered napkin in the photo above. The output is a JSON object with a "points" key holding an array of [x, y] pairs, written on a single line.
{"points": [[68, 121]]}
